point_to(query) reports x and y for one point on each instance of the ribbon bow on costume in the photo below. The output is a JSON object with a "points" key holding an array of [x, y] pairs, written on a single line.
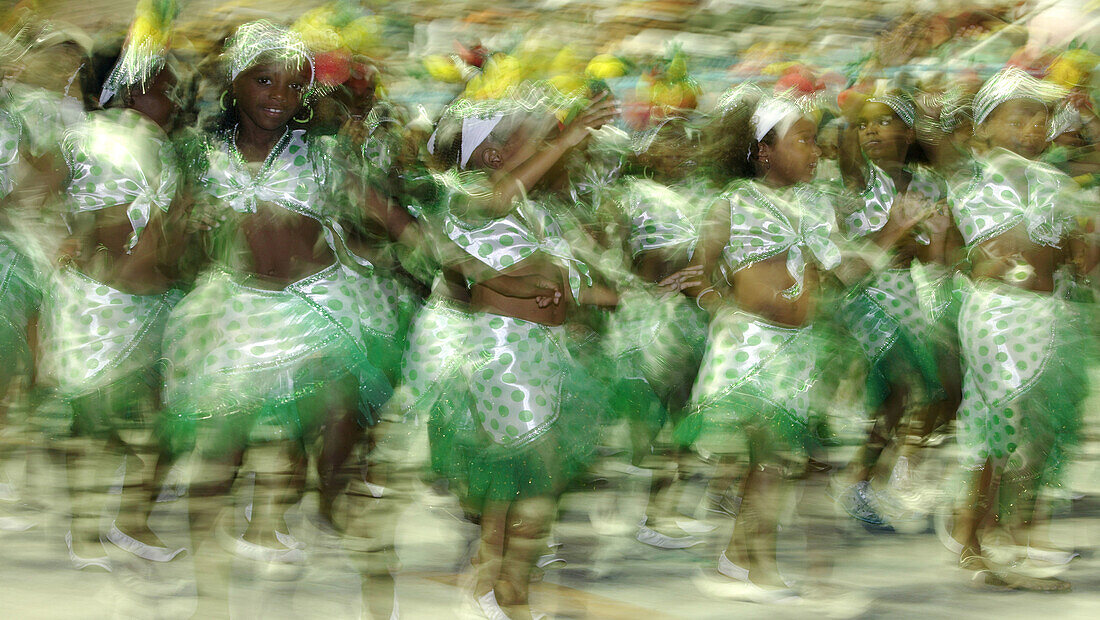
{"points": [[994, 204], [286, 179], [502, 242], [760, 229], [111, 166], [149, 196]]}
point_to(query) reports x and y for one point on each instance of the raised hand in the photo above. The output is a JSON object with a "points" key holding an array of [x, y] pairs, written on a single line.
{"points": [[598, 113]]}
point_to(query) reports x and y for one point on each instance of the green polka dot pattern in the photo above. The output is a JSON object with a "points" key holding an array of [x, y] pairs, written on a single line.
{"points": [[288, 178], [879, 195], [230, 346], [662, 216], [748, 359], [437, 351], [503, 242], [120, 158], [516, 385], [1008, 190], [766, 222], [95, 335], [1007, 340]]}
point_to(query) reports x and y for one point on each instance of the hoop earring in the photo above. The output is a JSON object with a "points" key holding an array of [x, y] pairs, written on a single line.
{"points": [[306, 119], [221, 101]]}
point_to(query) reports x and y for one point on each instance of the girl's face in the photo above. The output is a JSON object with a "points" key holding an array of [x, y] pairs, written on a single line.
{"points": [[158, 100], [793, 158], [1017, 125], [883, 136], [269, 95]]}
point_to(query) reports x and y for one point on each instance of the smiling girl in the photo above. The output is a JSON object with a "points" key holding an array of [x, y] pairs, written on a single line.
{"points": [[268, 344]]}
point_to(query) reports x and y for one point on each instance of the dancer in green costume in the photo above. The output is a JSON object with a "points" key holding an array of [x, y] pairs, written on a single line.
{"points": [[893, 317], [527, 438], [765, 247], [1022, 352], [269, 345]]}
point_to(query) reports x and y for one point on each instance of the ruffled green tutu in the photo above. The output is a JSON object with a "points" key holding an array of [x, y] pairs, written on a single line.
{"points": [[102, 344], [656, 345], [435, 378], [755, 385], [386, 305], [1025, 357], [241, 359], [534, 412], [896, 333]]}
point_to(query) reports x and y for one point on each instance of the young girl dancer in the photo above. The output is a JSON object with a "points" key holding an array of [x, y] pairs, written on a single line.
{"points": [[104, 317], [527, 440], [1021, 348], [268, 344], [764, 248], [887, 317]]}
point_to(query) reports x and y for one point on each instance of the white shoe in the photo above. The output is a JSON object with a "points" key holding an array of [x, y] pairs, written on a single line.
{"points": [[549, 559], [244, 549], [487, 604], [744, 591], [251, 551], [80, 563], [133, 546], [288, 541], [654, 538], [695, 526], [731, 570], [1060, 558]]}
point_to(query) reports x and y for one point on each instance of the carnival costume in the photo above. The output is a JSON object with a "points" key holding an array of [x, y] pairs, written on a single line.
{"points": [[95, 335], [757, 376], [894, 316], [529, 398], [1022, 352], [235, 347], [657, 339]]}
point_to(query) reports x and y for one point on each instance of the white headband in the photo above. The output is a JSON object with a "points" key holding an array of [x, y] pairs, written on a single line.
{"points": [[261, 36], [772, 113], [1013, 83], [474, 132]]}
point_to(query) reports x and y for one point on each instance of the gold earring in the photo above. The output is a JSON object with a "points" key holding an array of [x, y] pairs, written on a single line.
{"points": [[308, 118], [221, 101]]}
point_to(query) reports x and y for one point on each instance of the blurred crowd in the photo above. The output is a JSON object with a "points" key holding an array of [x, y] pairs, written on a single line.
{"points": [[794, 266]]}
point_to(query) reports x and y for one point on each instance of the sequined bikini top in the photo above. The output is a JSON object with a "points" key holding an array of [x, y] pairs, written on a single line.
{"points": [[1008, 190], [9, 152], [293, 177], [290, 177], [502, 242], [879, 195], [119, 157], [765, 222], [661, 216]]}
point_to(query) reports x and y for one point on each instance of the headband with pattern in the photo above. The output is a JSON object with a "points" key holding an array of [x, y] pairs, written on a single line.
{"points": [[1013, 83], [260, 37], [900, 105]]}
